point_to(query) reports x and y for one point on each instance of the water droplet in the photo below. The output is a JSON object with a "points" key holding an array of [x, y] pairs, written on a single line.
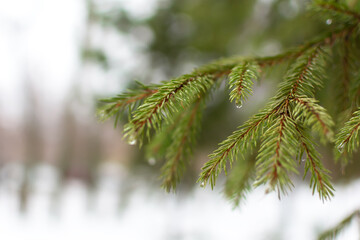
{"points": [[341, 147], [202, 184], [239, 105], [152, 161], [303, 159], [131, 140], [329, 21]]}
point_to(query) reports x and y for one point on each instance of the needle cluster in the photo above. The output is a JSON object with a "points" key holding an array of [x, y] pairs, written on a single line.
{"points": [[272, 144]]}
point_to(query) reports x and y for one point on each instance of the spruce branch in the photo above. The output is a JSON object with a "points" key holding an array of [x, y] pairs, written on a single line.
{"points": [[272, 167], [280, 143], [336, 10], [335, 231], [171, 96], [159, 144], [326, 39], [172, 110], [241, 81], [130, 99], [304, 75], [347, 140], [275, 157], [320, 179], [239, 142], [308, 111], [183, 140]]}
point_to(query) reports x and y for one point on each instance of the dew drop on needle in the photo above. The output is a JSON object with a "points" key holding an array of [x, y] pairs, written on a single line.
{"points": [[341, 147], [132, 140]]}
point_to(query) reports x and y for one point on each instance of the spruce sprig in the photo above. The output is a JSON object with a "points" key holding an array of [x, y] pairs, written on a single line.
{"points": [[241, 81], [305, 75], [238, 143], [347, 140], [315, 116], [130, 99], [320, 179], [336, 230], [275, 158], [280, 141], [278, 136], [336, 10], [182, 141], [169, 99]]}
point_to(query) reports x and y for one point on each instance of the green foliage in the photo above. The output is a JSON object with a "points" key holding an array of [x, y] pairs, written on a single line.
{"points": [[182, 141], [130, 99], [337, 10], [240, 142], [281, 136], [241, 81], [314, 116], [168, 100], [347, 139], [335, 231]]}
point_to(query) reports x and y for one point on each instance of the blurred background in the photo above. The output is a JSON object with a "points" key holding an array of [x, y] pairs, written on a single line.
{"points": [[64, 175]]}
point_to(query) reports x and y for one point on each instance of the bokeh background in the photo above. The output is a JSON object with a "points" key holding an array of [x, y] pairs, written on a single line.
{"points": [[64, 175]]}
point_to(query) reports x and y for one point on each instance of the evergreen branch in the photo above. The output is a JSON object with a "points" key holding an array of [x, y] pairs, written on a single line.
{"points": [[239, 181], [241, 81], [275, 157], [348, 137], [304, 74], [182, 141], [244, 138], [335, 231], [326, 39], [159, 144], [171, 96], [172, 111], [320, 179], [313, 115], [338, 9], [128, 99], [165, 93]]}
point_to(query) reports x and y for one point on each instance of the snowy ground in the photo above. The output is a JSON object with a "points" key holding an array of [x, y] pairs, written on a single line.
{"points": [[150, 213]]}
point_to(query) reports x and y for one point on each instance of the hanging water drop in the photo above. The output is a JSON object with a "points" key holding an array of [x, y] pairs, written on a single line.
{"points": [[202, 184], [341, 148], [239, 104], [303, 159], [329, 21], [152, 161], [132, 140]]}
